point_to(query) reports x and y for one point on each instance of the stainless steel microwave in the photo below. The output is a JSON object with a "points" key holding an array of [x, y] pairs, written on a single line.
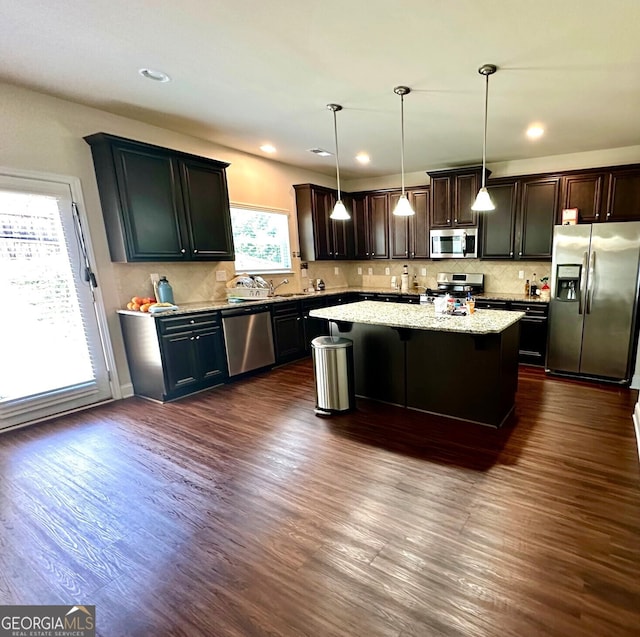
{"points": [[454, 243]]}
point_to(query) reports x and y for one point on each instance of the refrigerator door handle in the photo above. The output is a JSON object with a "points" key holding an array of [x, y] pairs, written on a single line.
{"points": [[583, 282], [592, 273]]}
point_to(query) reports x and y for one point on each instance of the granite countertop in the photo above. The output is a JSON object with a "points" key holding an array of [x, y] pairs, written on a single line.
{"points": [[419, 317], [223, 304]]}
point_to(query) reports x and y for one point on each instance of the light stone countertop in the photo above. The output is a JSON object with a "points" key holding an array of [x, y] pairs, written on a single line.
{"points": [[223, 304], [419, 317]]}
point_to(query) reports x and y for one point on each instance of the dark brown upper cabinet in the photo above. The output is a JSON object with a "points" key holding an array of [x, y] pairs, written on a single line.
{"points": [[521, 226], [322, 238], [603, 195], [409, 236], [371, 224], [452, 195], [159, 204]]}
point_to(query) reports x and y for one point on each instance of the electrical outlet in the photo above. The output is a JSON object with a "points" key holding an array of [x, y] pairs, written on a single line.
{"points": [[155, 277], [359, 270], [423, 272], [336, 270], [369, 271], [521, 274], [304, 273], [387, 271], [221, 275]]}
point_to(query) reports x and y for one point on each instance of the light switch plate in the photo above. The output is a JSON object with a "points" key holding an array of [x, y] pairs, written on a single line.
{"points": [[359, 270], [521, 274], [369, 271], [387, 271], [423, 272], [336, 270], [221, 275]]}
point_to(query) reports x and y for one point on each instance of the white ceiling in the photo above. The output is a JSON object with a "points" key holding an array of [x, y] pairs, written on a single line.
{"points": [[245, 72]]}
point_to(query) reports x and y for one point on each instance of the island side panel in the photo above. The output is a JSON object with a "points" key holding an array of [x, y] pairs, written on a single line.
{"points": [[472, 377], [379, 361]]}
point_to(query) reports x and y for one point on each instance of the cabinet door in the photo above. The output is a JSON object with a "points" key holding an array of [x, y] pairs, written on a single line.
{"points": [[378, 208], [398, 230], [440, 202], [322, 205], [624, 196], [419, 224], [206, 204], [537, 217], [151, 205], [211, 355], [180, 361], [498, 226], [360, 226], [288, 336], [584, 192], [342, 238], [466, 190]]}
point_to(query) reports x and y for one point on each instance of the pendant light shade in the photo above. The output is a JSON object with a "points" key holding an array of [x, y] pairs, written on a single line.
{"points": [[483, 201], [403, 207], [339, 211]]}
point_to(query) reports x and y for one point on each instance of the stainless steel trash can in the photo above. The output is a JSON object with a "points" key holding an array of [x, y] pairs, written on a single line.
{"points": [[333, 370]]}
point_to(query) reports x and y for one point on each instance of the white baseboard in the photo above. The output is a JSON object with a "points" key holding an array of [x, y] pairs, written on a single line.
{"points": [[126, 390], [636, 425]]}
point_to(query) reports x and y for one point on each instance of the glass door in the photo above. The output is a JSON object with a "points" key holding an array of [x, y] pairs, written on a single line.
{"points": [[51, 353]]}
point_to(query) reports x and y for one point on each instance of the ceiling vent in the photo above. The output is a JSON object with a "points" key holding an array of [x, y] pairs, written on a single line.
{"points": [[320, 152]]}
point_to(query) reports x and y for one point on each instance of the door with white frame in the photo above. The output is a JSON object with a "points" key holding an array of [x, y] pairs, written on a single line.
{"points": [[52, 355]]}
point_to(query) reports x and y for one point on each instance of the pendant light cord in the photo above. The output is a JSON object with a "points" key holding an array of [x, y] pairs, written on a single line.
{"points": [[335, 132], [484, 141], [402, 139]]}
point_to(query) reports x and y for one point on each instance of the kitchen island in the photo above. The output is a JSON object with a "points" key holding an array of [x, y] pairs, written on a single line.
{"points": [[463, 367]]}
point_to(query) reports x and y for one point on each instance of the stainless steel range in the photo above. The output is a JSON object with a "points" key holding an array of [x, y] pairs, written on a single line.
{"points": [[457, 284]]}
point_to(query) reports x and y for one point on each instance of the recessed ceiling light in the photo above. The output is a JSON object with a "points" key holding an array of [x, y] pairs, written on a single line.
{"points": [[363, 158], [156, 76], [320, 152], [535, 131], [268, 148]]}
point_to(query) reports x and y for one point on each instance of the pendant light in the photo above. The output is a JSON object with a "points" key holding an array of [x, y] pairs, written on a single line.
{"points": [[483, 201], [403, 207], [339, 211]]}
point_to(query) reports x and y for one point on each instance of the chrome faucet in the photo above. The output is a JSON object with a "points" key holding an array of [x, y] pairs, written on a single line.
{"points": [[273, 288]]}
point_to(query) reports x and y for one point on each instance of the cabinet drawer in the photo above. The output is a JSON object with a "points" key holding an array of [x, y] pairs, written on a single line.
{"points": [[171, 325], [288, 307], [484, 304], [531, 309]]}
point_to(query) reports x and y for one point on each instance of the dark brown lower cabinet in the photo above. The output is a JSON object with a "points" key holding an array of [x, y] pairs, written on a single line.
{"points": [[174, 356], [288, 331]]}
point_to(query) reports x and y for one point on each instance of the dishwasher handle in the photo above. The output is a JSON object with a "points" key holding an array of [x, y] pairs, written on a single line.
{"points": [[253, 309]]}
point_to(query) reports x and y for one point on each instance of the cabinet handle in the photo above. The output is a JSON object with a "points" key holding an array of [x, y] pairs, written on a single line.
{"points": [[510, 254], [373, 254], [298, 319], [193, 338], [597, 214], [520, 253], [413, 254], [406, 252], [455, 221], [195, 252], [183, 250], [448, 220], [608, 214], [367, 254], [197, 338], [192, 321]]}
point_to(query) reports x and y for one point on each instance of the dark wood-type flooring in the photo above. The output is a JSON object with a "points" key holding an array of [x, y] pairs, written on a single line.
{"points": [[237, 512]]}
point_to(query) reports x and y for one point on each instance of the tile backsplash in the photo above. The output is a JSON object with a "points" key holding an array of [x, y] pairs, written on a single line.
{"points": [[196, 282], [500, 276]]}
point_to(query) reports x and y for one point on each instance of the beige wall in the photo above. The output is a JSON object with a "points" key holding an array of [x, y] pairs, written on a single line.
{"points": [[44, 133]]}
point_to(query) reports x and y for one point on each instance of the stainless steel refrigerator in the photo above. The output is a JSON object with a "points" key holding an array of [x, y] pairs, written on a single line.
{"points": [[594, 298]]}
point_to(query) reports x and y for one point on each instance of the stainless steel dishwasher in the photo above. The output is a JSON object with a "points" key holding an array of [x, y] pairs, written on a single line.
{"points": [[248, 337]]}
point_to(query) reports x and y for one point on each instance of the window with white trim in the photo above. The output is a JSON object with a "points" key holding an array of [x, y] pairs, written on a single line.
{"points": [[261, 239]]}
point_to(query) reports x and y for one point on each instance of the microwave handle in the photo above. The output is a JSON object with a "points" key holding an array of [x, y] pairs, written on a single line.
{"points": [[464, 244]]}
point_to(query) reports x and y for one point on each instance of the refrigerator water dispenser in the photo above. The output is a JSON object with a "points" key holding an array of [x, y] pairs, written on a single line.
{"points": [[568, 282]]}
